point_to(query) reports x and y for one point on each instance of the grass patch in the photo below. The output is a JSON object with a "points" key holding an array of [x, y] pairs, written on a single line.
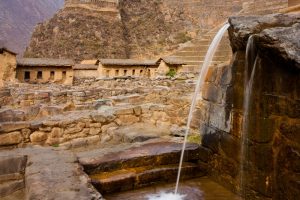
{"points": [[55, 145]]}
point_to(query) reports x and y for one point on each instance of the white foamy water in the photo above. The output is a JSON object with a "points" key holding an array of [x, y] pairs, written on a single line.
{"points": [[203, 72], [166, 196]]}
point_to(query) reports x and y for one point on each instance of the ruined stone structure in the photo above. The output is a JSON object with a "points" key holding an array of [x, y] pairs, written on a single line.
{"points": [[87, 113], [126, 133], [7, 65], [39, 70]]}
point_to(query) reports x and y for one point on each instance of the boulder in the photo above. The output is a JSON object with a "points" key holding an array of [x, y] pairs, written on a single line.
{"points": [[244, 26], [11, 138], [38, 137], [277, 35]]}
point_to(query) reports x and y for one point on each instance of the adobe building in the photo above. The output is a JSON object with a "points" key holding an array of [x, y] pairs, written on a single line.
{"points": [[112, 68], [45, 70], [8, 65]]}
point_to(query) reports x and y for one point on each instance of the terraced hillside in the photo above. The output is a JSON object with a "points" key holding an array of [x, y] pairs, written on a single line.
{"points": [[131, 29]]}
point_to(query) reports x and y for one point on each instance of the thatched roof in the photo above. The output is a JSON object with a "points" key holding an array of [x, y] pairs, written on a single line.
{"points": [[173, 61], [85, 67], [4, 48], [40, 62], [128, 62], [90, 62]]}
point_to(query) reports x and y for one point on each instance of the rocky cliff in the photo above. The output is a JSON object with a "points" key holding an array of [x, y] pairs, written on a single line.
{"points": [[18, 18], [131, 28]]}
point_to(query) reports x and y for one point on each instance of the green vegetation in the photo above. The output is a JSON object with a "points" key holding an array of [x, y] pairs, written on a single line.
{"points": [[171, 73], [182, 37], [55, 145], [195, 138]]}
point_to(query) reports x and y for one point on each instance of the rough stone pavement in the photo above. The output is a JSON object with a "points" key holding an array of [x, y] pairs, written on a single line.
{"points": [[54, 174]]}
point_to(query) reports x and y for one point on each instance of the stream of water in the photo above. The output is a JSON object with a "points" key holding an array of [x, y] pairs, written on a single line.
{"points": [[203, 72], [250, 66]]}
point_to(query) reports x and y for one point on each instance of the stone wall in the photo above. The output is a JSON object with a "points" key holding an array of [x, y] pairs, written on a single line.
{"points": [[8, 65], [92, 113], [85, 73], [271, 151]]}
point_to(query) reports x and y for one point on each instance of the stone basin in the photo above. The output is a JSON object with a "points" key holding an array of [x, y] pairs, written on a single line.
{"points": [[196, 189], [133, 178]]}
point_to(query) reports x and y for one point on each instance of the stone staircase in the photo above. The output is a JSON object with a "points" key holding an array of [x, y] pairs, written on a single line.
{"points": [[193, 53], [142, 166], [262, 7]]}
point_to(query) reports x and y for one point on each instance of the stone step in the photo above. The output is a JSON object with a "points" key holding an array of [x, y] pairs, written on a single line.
{"points": [[201, 42], [150, 154], [201, 53], [198, 58], [193, 68], [133, 178], [201, 62], [10, 187], [204, 41], [204, 48]]}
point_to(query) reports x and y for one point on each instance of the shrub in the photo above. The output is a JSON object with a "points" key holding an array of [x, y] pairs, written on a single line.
{"points": [[171, 73]]}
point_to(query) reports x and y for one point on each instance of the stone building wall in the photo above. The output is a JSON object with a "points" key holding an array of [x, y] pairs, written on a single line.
{"points": [[8, 65], [63, 75], [118, 71], [272, 147], [86, 73]]}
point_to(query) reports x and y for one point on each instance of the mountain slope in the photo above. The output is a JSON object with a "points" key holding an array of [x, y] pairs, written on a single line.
{"points": [[19, 17], [126, 28]]}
